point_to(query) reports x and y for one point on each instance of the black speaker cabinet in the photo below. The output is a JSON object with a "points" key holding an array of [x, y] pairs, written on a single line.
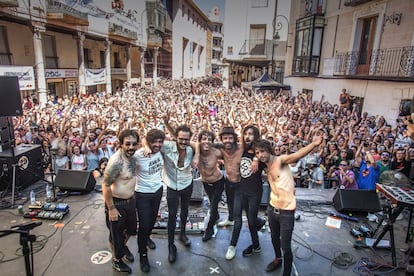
{"points": [[75, 181], [198, 190], [11, 103], [29, 166], [356, 200]]}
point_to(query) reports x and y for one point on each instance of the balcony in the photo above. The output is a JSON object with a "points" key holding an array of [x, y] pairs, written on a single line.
{"points": [[56, 10], [121, 31], [154, 40], [9, 3], [257, 47], [389, 63], [305, 65], [353, 3], [6, 59]]}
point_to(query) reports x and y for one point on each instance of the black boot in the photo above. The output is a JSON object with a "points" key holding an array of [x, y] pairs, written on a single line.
{"points": [[208, 234], [172, 253], [184, 239], [145, 267]]}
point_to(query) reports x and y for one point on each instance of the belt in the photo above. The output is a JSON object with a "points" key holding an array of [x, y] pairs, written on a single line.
{"points": [[122, 202], [278, 211]]}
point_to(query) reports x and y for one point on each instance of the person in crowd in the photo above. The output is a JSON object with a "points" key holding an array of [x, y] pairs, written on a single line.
{"points": [[368, 169], [148, 191], [345, 177], [401, 161], [118, 192], [282, 204], [211, 176], [91, 152], [314, 176], [344, 99], [78, 160], [384, 162], [98, 173]]}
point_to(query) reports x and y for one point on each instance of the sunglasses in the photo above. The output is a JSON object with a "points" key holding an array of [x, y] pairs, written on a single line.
{"points": [[342, 164]]}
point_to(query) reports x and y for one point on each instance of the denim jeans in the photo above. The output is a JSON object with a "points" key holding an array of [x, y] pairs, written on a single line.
{"points": [[147, 205], [250, 203], [173, 198], [281, 226], [230, 188], [214, 191]]}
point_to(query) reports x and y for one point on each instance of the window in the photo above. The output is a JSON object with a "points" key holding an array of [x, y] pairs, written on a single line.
{"points": [[260, 3], [87, 57], [117, 61], [308, 44], [230, 50], [50, 51], [5, 55], [102, 58]]}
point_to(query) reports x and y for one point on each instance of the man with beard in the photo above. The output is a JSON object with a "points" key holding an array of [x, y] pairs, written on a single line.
{"points": [[148, 190], [282, 205], [212, 177], [248, 195], [118, 192], [177, 175]]}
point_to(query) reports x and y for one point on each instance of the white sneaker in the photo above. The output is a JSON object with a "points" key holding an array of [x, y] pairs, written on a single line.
{"points": [[226, 223], [231, 252]]}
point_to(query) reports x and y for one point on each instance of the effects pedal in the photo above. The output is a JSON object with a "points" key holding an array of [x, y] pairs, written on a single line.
{"points": [[365, 231], [356, 233]]}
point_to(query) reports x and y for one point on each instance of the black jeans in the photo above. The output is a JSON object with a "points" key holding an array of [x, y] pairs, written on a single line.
{"points": [[230, 188], [126, 225], [251, 204], [281, 223], [173, 198], [147, 205], [214, 191]]}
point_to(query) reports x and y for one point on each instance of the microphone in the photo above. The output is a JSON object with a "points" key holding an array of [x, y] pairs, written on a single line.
{"points": [[28, 226]]}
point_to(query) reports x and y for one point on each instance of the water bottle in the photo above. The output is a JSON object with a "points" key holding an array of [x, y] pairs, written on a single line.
{"points": [[48, 192], [32, 197]]}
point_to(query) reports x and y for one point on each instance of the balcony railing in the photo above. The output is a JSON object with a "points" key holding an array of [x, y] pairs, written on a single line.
{"points": [[9, 3], [6, 59], [58, 10], [257, 47], [305, 65], [119, 30], [389, 62], [353, 3]]}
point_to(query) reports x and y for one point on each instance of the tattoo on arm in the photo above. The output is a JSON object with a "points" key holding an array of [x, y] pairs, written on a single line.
{"points": [[111, 173]]}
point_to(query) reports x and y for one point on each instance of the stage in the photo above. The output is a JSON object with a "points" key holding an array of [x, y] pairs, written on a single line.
{"points": [[77, 244]]}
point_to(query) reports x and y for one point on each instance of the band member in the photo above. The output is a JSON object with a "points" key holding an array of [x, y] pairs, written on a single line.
{"points": [[118, 192], [148, 190], [282, 204], [211, 176]]}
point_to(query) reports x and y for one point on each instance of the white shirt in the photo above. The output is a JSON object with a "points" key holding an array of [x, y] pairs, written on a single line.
{"points": [[149, 176]]}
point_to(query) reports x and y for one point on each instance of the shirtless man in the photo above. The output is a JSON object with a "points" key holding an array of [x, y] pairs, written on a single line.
{"points": [[118, 191], [232, 153], [212, 177], [281, 209]]}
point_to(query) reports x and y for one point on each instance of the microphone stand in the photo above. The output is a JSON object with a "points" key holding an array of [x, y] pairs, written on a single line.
{"points": [[25, 238], [14, 165]]}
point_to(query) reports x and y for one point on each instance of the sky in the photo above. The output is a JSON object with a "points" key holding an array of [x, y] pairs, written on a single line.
{"points": [[207, 5]]}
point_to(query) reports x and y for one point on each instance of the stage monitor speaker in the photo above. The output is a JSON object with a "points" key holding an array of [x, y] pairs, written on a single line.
{"points": [[11, 103], [356, 200], [198, 189], [75, 181], [29, 166]]}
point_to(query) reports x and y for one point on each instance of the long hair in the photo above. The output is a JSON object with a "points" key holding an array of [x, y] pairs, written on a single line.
{"points": [[256, 134]]}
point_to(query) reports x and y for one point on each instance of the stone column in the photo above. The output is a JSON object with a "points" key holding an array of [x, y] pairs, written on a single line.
{"points": [[39, 64], [154, 67], [128, 64], [142, 61], [81, 63], [108, 66]]}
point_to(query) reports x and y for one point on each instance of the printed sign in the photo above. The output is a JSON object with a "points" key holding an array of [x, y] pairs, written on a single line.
{"points": [[24, 73]]}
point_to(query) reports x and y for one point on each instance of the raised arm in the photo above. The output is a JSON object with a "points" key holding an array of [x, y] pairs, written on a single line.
{"points": [[291, 158]]}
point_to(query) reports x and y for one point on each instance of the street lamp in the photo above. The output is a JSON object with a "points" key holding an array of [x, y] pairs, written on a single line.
{"points": [[277, 26]]}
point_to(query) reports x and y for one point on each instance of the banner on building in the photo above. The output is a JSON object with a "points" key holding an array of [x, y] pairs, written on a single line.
{"points": [[24, 73], [95, 76], [61, 73]]}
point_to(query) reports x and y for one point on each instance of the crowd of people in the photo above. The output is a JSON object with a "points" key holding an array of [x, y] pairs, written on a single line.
{"points": [[324, 145]]}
